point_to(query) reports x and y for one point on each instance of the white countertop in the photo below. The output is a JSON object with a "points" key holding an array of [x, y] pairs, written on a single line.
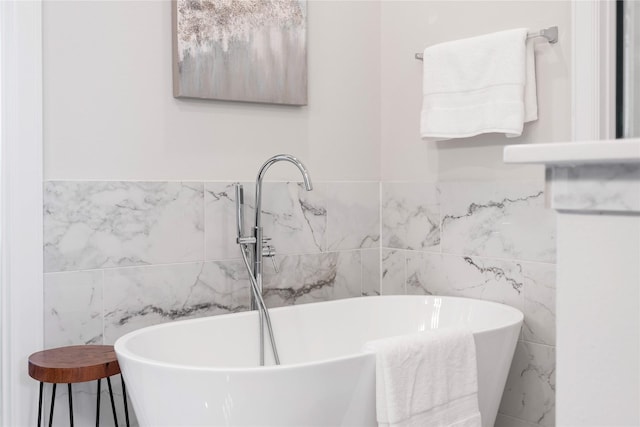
{"points": [[608, 151]]}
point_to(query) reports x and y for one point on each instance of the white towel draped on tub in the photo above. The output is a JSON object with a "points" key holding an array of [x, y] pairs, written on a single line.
{"points": [[428, 379], [479, 85]]}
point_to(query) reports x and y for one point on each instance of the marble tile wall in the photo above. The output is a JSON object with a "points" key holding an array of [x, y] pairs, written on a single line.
{"points": [[122, 255], [487, 240], [597, 188]]}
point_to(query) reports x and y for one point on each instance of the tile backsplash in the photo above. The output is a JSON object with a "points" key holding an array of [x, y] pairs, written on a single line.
{"points": [[487, 240], [124, 255], [498, 220], [92, 225]]}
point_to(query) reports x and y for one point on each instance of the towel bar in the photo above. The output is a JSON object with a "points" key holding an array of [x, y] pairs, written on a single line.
{"points": [[551, 34]]}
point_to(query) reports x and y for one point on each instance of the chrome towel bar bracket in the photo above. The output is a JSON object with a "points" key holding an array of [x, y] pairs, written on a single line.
{"points": [[551, 34]]}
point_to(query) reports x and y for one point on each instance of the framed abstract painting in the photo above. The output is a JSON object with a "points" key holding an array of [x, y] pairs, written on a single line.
{"points": [[240, 50]]}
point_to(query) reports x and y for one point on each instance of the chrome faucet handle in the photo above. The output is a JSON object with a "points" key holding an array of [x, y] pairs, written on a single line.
{"points": [[269, 251], [248, 240], [275, 266]]}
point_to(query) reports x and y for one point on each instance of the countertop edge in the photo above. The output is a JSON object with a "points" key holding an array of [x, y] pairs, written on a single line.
{"points": [[567, 153]]}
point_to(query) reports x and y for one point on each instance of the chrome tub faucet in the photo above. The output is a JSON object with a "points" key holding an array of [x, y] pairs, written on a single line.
{"points": [[257, 246]]}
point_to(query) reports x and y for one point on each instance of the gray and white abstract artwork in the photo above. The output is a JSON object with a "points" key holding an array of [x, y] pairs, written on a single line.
{"points": [[240, 50]]}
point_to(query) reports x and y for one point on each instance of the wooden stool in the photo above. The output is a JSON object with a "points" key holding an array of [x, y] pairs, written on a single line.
{"points": [[75, 364]]}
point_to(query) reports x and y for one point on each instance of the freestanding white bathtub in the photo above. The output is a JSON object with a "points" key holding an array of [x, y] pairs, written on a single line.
{"points": [[205, 371]]}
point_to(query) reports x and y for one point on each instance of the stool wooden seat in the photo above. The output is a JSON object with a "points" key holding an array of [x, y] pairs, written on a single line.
{"points": [[75, 364]]}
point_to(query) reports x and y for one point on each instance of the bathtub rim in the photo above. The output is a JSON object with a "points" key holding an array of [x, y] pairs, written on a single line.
{"points": [[120, 344]]}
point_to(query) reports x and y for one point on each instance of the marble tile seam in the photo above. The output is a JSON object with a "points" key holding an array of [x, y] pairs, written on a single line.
{"points": [[204, 261], [482, 257], [223, 181], [524, 341], [519, 420]]}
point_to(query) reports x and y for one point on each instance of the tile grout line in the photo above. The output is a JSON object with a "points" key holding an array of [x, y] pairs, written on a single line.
{"points": [[474, 256], [204, 221], [380, 238], [104, 314], [550, 346], [519, 419], [202, 261]]}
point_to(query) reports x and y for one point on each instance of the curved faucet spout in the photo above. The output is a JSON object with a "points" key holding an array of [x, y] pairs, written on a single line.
{"points": [[262, 249], [263, 169]]}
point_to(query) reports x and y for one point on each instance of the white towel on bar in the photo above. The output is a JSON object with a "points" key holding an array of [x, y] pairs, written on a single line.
{"points": [[479, 85], [427, 379]]}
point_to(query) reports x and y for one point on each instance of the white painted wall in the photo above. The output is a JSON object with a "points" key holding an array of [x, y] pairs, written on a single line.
{"points": [[408, 27], [110, 114], [21, 281], [598, 321]]}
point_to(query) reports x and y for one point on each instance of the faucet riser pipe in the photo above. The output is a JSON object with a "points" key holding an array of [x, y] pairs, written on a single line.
{"points": [[264, 313]]}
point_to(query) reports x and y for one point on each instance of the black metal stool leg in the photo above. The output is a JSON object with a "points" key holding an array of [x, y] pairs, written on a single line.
{"points": [[113, 404], [98, 405], [70, 406], [53, 401], [40, 404], [124, 398]]}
